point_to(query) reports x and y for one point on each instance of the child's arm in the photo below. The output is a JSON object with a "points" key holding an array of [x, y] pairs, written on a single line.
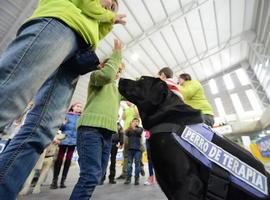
{"points": [[108, 73], [139, 132], [128, 133], [93, 9], [104, 29]]}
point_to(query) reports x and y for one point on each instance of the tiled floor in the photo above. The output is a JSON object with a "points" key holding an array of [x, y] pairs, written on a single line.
{"points": [[107, 191]]}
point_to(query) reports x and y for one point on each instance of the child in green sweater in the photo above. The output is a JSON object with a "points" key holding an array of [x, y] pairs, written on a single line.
{"points": [[97, 124]]}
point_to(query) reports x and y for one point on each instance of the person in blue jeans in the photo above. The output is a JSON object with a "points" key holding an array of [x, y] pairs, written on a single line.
{"points": [[97, 124], [33, 65], [66, 146], [134, 134]]}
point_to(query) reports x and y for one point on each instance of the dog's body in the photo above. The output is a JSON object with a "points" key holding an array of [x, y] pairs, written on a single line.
{"points": [[178, 174], [44, 164]]}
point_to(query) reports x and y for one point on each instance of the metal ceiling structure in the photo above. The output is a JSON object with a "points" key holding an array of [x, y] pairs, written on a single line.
{"points": [[200, 37]]}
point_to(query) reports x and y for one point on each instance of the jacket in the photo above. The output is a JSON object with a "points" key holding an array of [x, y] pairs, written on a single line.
{"points": [[86, 17], [69, 128], [134, 138], [194, 96]]}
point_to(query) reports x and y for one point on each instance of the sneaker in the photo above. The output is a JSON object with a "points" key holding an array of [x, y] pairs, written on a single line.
{"points": [[112, 181], [121, 177], [137, 181], [142, 172], [101, 182], [128, 180], [150, 181]]}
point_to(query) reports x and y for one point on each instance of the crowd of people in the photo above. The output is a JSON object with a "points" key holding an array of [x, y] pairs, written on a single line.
{"points": [[37, 65]]}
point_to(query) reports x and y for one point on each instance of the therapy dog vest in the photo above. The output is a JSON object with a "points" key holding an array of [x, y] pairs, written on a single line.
{"points": [[200, 141]]}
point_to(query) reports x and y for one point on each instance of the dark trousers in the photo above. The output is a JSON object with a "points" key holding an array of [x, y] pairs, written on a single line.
{"points": [[63, 150], [113, 162]]}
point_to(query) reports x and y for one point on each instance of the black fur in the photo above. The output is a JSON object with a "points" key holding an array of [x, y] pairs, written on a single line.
{"points": [[179, 176]]}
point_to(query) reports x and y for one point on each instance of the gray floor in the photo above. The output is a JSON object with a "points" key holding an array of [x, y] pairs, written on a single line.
{"points": [[107, 191]]}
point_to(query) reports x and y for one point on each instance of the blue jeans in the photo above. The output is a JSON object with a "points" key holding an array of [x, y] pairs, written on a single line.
{"points": [[150, 164], [32, 65], [136, 155], [94, 147]]}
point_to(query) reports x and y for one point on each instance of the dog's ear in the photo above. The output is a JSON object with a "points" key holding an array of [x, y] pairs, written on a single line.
{"points": [[159, 92]]}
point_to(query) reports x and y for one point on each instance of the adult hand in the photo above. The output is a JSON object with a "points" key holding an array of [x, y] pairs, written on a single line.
{"points": [[120, 19]]}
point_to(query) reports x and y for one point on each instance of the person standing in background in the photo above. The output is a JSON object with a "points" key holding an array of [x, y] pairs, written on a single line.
{"points": [[130, 112], [194, 96], [134, 134], [117, 143], [66, 146], [166, 74]]}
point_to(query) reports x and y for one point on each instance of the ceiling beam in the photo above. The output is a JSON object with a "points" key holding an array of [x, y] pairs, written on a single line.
{"points": [[229, 43], [23, 15], [148, 11], [133, 15], [216, 22], [170, 49], [167, 21], [164, 8]]}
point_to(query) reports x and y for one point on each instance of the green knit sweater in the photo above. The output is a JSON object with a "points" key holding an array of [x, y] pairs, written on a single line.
{"points": [[194, 96], [86, 17], [103, 100]]}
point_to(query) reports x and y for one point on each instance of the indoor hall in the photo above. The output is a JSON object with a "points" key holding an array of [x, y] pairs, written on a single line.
{"points": [[221, 44]]}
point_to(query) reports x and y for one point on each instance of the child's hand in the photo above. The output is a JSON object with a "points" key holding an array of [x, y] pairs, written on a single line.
{"points": [[120, 19], [117, 46]]}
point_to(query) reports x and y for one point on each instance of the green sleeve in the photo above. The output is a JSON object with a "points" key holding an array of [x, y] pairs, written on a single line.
{"points": [[104, 29], [108, 73], [189, 90], [93, 9]]}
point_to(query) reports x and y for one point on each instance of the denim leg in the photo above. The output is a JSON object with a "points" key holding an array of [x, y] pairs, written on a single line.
{"points": [[150, 168], [38, 50], [137, 162], [130, 162], [89, 146], [106, 150], [40, 127]]}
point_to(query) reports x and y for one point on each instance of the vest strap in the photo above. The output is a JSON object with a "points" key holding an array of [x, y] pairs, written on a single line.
{"points": [[218, 184]]}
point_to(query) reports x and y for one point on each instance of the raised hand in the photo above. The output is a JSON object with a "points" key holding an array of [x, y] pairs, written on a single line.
{"points": [[117, 46], [120, 19]]}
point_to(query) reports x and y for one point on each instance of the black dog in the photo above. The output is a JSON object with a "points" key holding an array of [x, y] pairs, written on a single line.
{"points": [[162, 112]]}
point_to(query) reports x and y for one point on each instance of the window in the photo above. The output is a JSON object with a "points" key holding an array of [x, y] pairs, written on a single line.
{"points": [[237, 104], [242, 76], [220, 107], [259, 70], [228, 82], [262, 75], [213, 86], [253, 100], [267, 63]]}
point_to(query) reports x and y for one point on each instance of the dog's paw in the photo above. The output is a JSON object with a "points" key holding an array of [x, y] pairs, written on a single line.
{"points": [[36, 190], [23, 192]]}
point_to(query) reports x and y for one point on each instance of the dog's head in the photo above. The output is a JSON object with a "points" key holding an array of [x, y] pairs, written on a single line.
{"points": [[156, 103], [147, 93]]}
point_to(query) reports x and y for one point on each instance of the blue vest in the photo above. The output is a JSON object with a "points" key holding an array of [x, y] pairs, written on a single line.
{"points": [[197, 140]]}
